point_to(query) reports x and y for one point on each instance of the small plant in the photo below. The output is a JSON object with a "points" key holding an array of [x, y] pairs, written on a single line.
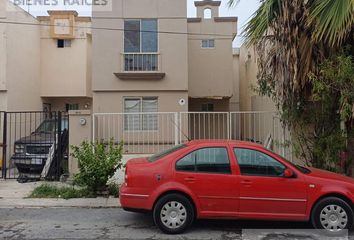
{"points": [[113, 185], [97, 163], [49, 191]]}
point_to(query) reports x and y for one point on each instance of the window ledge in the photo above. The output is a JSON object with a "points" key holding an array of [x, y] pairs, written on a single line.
{"points": [[140, 75]]}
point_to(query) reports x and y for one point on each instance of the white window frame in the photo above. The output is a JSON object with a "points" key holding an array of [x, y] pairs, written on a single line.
{"points": [[208, 44], [141, 121], [141, 35]]}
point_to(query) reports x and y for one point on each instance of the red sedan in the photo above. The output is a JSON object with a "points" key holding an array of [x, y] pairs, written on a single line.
{"points": [[234, 180]]}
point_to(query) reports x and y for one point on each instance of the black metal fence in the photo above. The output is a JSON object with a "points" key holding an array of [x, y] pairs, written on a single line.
{"points": [[33, 145]]}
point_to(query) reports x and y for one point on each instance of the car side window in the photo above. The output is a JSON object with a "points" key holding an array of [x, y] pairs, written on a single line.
{"points": [[187, 163], [255, 163], [207, 160], [213, 160]]}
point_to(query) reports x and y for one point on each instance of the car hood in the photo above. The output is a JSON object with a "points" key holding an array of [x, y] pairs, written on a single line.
{"points": [[36, 138], [330, 175]]}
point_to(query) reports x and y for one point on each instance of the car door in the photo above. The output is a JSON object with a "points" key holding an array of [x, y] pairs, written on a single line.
{"points": [[264, 191], [207, 172]]}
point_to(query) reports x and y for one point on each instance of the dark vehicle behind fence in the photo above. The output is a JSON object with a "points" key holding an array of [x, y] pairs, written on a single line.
{"points": [[34, 155]]}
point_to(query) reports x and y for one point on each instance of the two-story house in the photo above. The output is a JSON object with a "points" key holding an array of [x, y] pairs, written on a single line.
{"points": [[155, 59]]}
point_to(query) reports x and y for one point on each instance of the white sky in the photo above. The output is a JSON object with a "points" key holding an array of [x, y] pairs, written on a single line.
{"points": [[243, 11]]}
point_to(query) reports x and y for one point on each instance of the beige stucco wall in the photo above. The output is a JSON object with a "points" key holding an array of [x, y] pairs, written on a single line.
{"points": [[59, 104], [3, 101], [195, 104], [2, 48], [168, 101], [109, 45], [211, 71], [64, 71], [22, 62], [235, 99], [248, 69]]}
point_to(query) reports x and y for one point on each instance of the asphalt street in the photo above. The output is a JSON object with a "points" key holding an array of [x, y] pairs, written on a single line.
{"points": [[114, 223]]}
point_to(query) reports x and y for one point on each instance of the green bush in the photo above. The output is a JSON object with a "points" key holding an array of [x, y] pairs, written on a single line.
{"points": [[113, 190], [97, 163]]}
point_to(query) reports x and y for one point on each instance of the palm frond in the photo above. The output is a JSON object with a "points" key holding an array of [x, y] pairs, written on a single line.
{"points": [[233, 3], [261, 20], [332, 19]]}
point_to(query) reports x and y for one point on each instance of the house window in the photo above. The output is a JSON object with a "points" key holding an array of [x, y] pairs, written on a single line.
{"points": [[69, 107], [141, 114], [208, 43], [207, 107], [61, 43], [140, 45]]}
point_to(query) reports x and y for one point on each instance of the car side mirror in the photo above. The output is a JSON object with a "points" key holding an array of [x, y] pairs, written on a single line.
{"points": [[288, 173]]}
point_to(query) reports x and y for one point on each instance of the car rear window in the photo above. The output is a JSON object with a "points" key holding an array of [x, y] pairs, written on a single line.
{"points": [[162, 154]]}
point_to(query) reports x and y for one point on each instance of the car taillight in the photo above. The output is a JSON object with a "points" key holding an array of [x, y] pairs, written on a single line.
{"points": [[126, 176]]}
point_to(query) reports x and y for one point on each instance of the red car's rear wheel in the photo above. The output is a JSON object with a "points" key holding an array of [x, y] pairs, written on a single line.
{"points": [[173, 213]]}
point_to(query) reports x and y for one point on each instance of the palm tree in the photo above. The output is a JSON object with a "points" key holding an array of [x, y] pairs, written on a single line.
{"points": [[333, 20], [301, 32], [292, 38]]}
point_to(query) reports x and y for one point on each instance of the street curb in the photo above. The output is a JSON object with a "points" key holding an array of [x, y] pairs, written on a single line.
{"points": [[55, 207], [59, 203]]}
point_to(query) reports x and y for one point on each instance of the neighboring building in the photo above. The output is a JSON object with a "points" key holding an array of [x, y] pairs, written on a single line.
{"points": [[19, 60], [163, 61], [248, 70], [66, 61], [46, 64], [210, 59]]}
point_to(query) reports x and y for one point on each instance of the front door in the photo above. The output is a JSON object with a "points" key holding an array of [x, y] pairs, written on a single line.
{"points": [[263, 189], [208, 174]]}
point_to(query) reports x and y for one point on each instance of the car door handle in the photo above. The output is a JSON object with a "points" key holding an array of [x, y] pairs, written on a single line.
{"points": [[246, 182], [190, 179]]}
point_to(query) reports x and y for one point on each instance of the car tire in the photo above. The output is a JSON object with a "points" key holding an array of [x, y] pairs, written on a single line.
{"points": [[332, 214], [173, 213]]}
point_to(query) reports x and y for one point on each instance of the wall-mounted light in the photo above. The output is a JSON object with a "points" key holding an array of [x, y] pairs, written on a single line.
{"points": [[182, 102], [83, 121]]}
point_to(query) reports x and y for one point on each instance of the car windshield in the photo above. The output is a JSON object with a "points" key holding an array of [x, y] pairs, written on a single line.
{"points": [[162, 154], [49, 126]]}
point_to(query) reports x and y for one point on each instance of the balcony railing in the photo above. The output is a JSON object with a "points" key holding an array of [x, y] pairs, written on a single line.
{"points": [[141, 62]]}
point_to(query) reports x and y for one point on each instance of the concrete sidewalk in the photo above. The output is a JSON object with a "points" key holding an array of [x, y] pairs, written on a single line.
{"points": [[14, 195], [60, 203]]}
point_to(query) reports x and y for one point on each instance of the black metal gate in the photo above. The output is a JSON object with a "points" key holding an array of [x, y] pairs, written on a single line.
{"points": [[34, 145]]}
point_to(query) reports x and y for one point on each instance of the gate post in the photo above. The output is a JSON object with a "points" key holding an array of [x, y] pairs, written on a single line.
{"points": [[80, 123], [59, 156], [4, 147]]}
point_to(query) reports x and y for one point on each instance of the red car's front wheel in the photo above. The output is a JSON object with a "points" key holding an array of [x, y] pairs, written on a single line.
{"points": [[332, 214], [173, 213]]}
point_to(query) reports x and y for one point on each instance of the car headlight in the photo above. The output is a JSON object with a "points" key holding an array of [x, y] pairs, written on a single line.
{"points": [[19, 149]]}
